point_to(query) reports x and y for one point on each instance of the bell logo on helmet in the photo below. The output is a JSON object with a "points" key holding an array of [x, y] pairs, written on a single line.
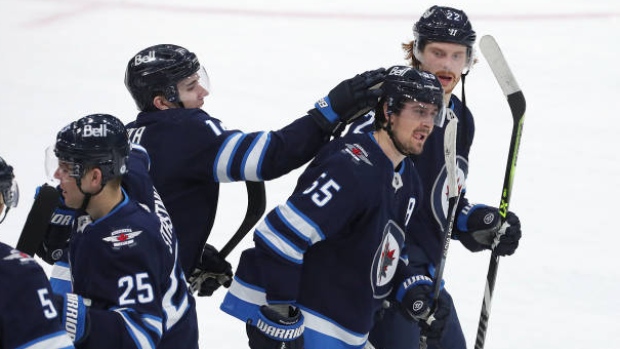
{"points": [[139, 59], [90, 131]]}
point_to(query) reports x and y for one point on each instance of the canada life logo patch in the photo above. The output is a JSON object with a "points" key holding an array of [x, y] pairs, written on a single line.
{"points": [[122, 237], [386, 259]]}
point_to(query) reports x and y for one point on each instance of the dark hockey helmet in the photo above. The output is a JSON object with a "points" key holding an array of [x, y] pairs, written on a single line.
{"points": [[156, 70], [8, 185], [404, 83], [443, 24], [94, 141]]}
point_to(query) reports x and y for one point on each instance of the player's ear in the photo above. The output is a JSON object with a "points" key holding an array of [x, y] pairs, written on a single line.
{"points": [[95, 176], [160, 102]]}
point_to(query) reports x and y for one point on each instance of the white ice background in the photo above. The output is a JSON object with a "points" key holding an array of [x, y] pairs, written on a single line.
{"points": [[270, 60]]}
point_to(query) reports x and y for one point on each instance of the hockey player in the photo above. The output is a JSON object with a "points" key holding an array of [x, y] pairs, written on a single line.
{"points": [[192, 152], [128, 289], [325, 260], [444, 45], [28, 318]]}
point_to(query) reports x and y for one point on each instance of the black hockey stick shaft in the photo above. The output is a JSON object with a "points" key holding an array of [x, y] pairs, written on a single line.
{"points": [[33, 232], [516, 101], [257, 201], [454, 193]]}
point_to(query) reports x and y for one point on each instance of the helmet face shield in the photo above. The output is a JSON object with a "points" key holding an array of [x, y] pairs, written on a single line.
{"points": [[10, 197], [193, 89], [55, 167], [404, 84], [10, 194]]}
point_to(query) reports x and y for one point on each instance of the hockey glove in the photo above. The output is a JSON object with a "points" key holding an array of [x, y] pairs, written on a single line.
{"points": [[478, 226], [212, 272], [74, 310], [416, 302], [276, 327], [56, 239], [348, 100]]}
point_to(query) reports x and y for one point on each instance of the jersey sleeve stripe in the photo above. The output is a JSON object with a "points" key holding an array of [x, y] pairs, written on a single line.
{"points": [[299, 223], [254, 158], [223, 157], [58, 340], [137, 333], [279, 244], [327, 331], [153, 323]]}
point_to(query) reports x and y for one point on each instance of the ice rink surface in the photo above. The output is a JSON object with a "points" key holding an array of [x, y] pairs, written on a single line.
{"points": [[270, 60]]}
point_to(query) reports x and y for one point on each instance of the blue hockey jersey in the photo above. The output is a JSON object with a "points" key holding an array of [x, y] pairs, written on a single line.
{"points": [[192, 153], [126, 264], [336, 248], [138, 277], [28, 318], [428, 239]]}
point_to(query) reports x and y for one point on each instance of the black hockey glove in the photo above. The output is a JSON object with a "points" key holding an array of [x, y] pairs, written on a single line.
{"points": [[415, 297], [56, 239], [212, 272], [276, 327], [348, 100], [74, 313], [477, 227]]}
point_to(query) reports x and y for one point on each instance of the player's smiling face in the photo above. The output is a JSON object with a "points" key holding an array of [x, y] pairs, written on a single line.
{"points": [[446, 60], [413, 125]]}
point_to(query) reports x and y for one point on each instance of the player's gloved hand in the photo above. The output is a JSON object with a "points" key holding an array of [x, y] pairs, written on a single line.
{"points": [[478, 227], [74, 313], [348, 100], [56, 239], [276, 327], [416, 302], [212, 272]]}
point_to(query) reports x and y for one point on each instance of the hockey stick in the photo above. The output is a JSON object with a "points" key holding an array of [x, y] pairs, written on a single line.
{"points": [[516, 101], [454, 193], [45, 202], [257, 202]]}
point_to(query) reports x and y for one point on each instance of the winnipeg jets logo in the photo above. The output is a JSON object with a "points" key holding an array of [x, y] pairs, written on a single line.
{"points": [[358, 153], [386, 259], [122, 237], [20, 256]]}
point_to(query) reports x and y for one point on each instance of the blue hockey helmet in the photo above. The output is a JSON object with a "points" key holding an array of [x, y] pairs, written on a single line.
{"points": [[94, 141], [156, 70], [8, 188], [443, 24], [404, 83]]}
